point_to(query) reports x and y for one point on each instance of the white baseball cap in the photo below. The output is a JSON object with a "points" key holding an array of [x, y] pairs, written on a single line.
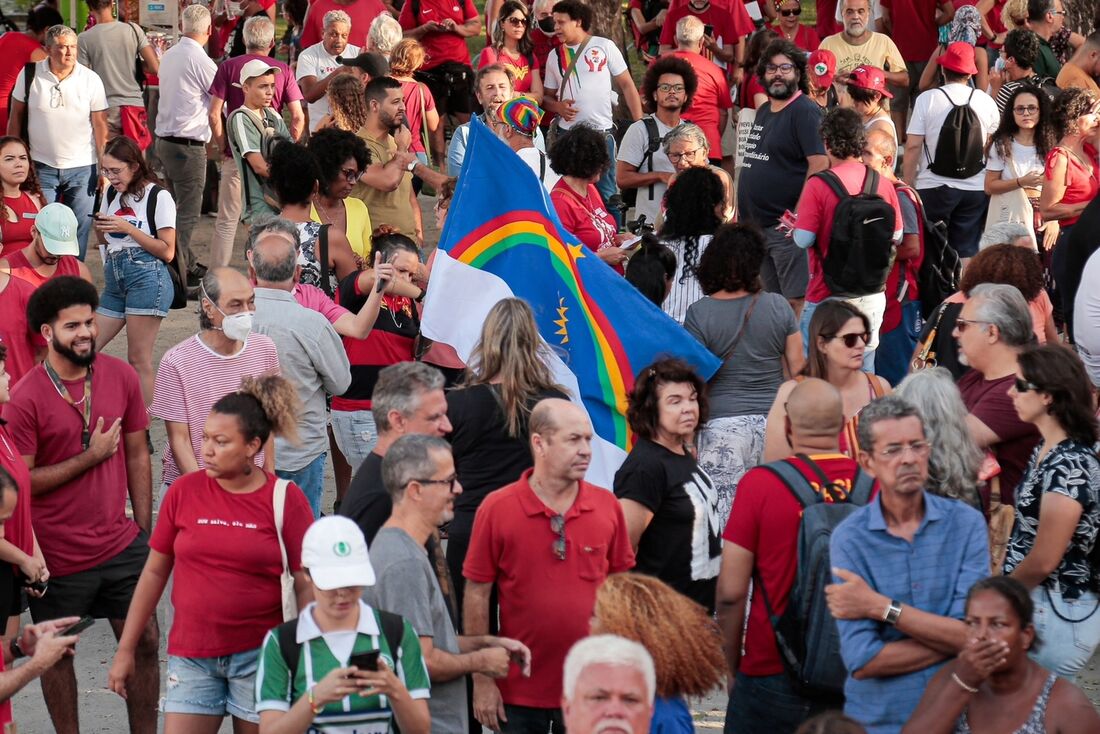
{"points": [[254, 68], [56, 225], [335, 553]]}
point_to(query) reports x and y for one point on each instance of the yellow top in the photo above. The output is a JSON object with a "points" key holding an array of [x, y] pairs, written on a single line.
{"points": [[358, 228]]}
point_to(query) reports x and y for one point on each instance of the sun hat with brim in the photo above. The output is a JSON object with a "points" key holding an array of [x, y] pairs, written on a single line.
{"points": [[334, 552], [255, 68], [822, 67], [57, 226], [522, 114], [870, 78], [959, 58]]}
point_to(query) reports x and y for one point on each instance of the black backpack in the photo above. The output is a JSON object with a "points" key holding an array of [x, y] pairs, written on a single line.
{"points": [[960, 149], [806, 633], [393, 629], [653, 144], [861, 246], [941, 268], [179, 289]]}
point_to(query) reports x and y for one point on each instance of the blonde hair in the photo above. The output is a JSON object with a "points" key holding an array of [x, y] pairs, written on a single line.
{"points": [[406, 57], [649, 611], [346, 100], [1014, 14]]}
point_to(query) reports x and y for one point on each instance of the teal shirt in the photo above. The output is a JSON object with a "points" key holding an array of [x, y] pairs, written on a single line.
{"points": [[246, 135], [1047, 64]]}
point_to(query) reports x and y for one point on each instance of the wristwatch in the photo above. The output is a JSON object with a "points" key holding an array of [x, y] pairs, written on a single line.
{"points": [[16, 649], [892, 612]]}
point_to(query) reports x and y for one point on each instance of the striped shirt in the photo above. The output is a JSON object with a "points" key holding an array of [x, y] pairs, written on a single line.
{"points": [[192, 377], [685, 290]]}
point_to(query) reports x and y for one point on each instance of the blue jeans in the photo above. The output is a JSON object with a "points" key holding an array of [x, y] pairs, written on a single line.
{"points": [[608, 185], [213, 686], [962, 211], [766, 704], [895, 347], [1068, 630], [310, 479], [74, 187]]}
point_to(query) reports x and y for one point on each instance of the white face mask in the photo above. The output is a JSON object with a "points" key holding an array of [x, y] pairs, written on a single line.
{"points": [[237, 326]]}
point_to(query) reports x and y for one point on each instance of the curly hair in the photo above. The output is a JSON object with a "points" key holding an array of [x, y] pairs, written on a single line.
{"points": [[642, 411], [828, 319], [56, 295], [576, 10], [294, 173], [332, 148], [1006, 264], [1060, 374], [1023, 46], [843, 133], [580, 152], [30, 184], [783, 47], [1006, 131], [691, 211], [650, 612], [732, 260], [1071, 104], [347, 103], [668, 65], [407, 57], [263, 406]]}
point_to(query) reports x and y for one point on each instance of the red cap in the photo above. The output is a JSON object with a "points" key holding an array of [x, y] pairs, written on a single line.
{"points": [[870, 78], [959, 57], [822, 67]]}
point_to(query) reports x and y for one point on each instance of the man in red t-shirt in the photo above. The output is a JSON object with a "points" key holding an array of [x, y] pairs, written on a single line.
{"points": [[15, 334], [762, 546], [709, 108], [361, 12], [442, 27], [726, 28], [547, 541], [79, 422]]}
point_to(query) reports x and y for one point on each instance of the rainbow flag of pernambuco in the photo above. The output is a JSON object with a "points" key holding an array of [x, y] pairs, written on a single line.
{"points": [[503, 239]]}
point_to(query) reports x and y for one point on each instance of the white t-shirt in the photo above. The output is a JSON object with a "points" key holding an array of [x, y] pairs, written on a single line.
{"points": [[539, 162], [632, 150], [59, 115], [1024, 161], [590, 85], [134, 211], [315, 61], [1086, 317], [929, 113]]}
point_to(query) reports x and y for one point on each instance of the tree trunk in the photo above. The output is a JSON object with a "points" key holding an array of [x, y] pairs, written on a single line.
{"points": [[607, 21], [1082, 16]]}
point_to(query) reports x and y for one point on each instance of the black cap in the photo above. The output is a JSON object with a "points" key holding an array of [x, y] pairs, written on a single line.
{"points": [[373, 64]]}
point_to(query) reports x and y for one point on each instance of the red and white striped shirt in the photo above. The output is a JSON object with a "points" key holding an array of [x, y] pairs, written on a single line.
{"points": [[192, 377]]}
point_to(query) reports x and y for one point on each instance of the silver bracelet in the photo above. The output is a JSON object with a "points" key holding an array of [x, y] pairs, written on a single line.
{"points": [[969, 689]]}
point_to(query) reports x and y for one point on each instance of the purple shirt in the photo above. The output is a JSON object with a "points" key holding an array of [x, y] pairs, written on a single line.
{"points": [[224, 85]]}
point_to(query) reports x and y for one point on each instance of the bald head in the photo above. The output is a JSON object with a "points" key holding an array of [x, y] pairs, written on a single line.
{"points": [[882, 144], [275, 261], [549, 415], [815, 409]]}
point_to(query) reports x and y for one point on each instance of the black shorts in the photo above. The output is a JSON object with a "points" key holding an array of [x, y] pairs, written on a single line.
{"points": [[11, 592], [103, 592], [452, 87]]}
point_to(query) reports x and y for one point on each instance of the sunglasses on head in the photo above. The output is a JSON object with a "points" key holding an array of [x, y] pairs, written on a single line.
{"points": [[789, 13], [851, 340], [1023, 386]]}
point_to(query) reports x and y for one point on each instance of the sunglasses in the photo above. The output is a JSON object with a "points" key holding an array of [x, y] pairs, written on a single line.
{"points": [[557, 524], [1023, 386], [962, 325], [851, 340], [516, 21], [789, 13]]}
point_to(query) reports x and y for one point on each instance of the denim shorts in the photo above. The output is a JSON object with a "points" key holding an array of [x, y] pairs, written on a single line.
{"points": [[355, 433], [137, 283], [213, 686], [1068, 630]]}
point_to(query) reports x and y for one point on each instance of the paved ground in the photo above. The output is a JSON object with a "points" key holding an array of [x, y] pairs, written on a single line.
{"points": [[103, 711]]}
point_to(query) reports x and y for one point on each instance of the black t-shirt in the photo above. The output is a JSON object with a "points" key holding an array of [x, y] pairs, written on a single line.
{"points": [[367, 502], [683, 544], [486, 457]]}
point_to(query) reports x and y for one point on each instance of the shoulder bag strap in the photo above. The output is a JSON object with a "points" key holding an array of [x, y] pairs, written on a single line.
{"points": [[322, 260], [279, 502], [287, 636], [741, 331], [834, 183], [870, 181], [794, 480], [568, 72], [424, 132], [393, 628]]}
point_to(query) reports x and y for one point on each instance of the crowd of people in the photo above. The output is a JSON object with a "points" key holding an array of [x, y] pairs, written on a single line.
{"points": [[882, 226]]}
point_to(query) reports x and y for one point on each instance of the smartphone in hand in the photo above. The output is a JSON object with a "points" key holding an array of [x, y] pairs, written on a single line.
{"points": [[78, 627], [365, 660]]}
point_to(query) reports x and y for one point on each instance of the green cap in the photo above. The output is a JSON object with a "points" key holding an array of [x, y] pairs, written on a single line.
{"points": [[56, 225]]}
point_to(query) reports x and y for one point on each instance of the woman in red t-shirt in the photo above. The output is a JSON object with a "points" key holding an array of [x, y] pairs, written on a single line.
{"points": [[788, 27], [420, 113], [580, 156], [217, 531], [22, 195], [512, 48]]}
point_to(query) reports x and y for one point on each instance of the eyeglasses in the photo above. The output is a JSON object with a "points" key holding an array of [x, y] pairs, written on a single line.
{"points": [[557, 524], [351, 175], [670, 88], [516, 21], [772, 68], [850, 340], [963, 324], [1023, 386], [688, 154], [1030, 109], [1057, 12], [919, 449], [789, 13], [56, 100], [108, 172], [449, 481]]}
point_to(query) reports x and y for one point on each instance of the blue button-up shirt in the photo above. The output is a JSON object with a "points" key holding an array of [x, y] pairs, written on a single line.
{"points": [[933, 573]]}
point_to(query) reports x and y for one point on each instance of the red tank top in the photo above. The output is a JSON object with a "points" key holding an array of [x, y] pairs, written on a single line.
{"points": [[15, 228], [21, 268]]}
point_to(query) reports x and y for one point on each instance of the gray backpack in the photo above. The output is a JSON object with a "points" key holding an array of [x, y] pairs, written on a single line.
{"points": [[806, 633]]}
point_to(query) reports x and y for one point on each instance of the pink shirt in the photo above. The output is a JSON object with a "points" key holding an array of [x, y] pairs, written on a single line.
{"points": [[315, 299], [192, 377]]}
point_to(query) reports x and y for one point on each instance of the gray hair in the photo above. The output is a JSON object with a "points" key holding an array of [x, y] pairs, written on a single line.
{"points": [[336, 16], [195, 19], [410, 457], [607, 650], [689, 132], [274, 265], [689, 31], [1003, 233], [272, 223], [211, 288], [384, 34], [57, 31], [955, 458], [888, 408], [400, 387], [259, 33], [1004, 306]]}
